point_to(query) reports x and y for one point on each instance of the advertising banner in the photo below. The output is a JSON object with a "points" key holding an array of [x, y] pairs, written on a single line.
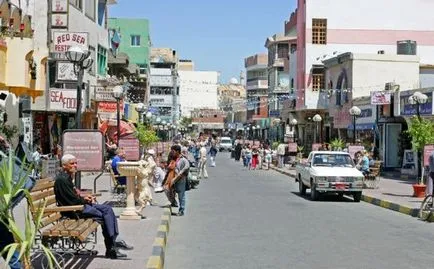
{"points": [[87, 146]]}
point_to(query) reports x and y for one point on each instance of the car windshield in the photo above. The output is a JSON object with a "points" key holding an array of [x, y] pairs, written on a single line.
{"points": [[333, 160], [226, 141]]}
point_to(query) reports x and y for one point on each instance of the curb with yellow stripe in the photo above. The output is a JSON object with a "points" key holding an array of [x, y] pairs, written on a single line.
{"points": [[378, 202], [156, 261]]}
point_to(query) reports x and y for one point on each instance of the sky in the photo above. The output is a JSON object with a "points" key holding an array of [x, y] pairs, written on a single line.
{"points": [[216, 35]]}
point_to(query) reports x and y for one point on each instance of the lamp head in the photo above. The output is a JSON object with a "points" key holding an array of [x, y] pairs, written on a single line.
{"points": [[355, 111], [118, 91], [76, 54], [317, 118]]}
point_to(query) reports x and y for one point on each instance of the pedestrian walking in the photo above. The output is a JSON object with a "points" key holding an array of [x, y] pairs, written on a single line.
{"points": [[202, 161], [430, 183], [281, 155], [212, 153], [255, 158]]}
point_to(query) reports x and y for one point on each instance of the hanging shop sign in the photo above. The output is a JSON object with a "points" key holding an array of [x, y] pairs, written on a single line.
{"points": [[65, 72], [380, 98], [59, 20], [104, 94], [59, 6], [64, 99], [108, 110], [62, 41]]}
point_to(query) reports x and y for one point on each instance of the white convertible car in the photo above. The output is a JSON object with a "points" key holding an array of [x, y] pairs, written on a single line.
{"points": [[329, 171]]}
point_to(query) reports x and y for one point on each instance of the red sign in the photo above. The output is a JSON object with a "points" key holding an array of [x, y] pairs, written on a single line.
{"points": [[87, 147], [131, 147], [109, 107], [427, 151], [292, 147]]}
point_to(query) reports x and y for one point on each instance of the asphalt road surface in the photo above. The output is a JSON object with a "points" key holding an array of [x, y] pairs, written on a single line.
{"points": [[256, 219]]}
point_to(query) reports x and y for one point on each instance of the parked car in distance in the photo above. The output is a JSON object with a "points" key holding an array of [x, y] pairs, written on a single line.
{"points": [[225, 144], [329, 172]]}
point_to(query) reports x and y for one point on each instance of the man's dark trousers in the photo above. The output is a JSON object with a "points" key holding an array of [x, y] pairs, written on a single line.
{"points": [[6, 238], [104, 214]]}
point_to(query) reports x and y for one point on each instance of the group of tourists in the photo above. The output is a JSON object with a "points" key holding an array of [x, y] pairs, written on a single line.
{"points": [[253, 156]]}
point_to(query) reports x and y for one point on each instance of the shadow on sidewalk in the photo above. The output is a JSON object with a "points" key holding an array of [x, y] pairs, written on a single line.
{"points": [[397, 195], [325, 197]]}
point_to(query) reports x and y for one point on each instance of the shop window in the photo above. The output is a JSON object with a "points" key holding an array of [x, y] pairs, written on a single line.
{"points": [[319, 31], [77, 3], [102, 60], [135, 41]]}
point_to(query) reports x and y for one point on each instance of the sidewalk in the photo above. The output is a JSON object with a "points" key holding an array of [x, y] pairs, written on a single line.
{"points": [[148, 236], [393, 193]]}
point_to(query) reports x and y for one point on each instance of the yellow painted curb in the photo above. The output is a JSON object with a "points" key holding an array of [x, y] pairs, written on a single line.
{"points": [[154, 262]]}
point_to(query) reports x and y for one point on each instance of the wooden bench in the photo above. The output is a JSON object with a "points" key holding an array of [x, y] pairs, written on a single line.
{"points": [[373, 178], [55, 231]]}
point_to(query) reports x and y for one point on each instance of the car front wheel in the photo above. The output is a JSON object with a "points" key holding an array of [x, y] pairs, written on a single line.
{"points": [[301, 187], [314, 195], [357, 196]]}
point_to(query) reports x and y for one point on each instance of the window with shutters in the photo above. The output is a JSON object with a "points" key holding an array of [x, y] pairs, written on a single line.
{"points": [[317, 82], [319, 31]]}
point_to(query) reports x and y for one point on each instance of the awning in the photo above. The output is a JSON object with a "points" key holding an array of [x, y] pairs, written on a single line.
{"points": [[22, 90], [362, 126]]}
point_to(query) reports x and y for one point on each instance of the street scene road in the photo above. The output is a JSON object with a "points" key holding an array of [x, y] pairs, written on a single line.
{"points": [[256, 219]]}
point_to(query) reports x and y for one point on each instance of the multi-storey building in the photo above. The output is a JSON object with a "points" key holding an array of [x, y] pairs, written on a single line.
{"points": [[257, 86], [164, 85], [278, 47], [133, 52], [197, 90], [69, 23], [326, 29]]}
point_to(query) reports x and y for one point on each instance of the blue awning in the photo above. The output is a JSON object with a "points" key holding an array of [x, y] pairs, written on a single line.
{"points": [[362, 126]]}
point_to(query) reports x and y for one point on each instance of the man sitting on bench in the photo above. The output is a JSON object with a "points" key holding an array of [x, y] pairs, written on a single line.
{"points": [[67, 195]]}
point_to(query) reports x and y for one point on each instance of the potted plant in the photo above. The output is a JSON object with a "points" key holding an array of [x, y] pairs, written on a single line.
{"points": [[337, 144], [422, 133], [9, 190]]}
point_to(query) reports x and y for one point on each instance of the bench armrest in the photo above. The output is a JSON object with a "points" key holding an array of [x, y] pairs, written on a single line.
{"points": [[64, 208]]}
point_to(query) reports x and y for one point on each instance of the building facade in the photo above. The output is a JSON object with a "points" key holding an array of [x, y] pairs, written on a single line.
{"points": [[164, 85], [197, 89], [257, 86], [70, 23]]}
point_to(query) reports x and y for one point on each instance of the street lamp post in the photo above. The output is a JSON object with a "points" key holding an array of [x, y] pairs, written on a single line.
{"points": [[355, 112], [317, 119], [81, 61], [418, 99], [140, 108], [118, 92]]}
